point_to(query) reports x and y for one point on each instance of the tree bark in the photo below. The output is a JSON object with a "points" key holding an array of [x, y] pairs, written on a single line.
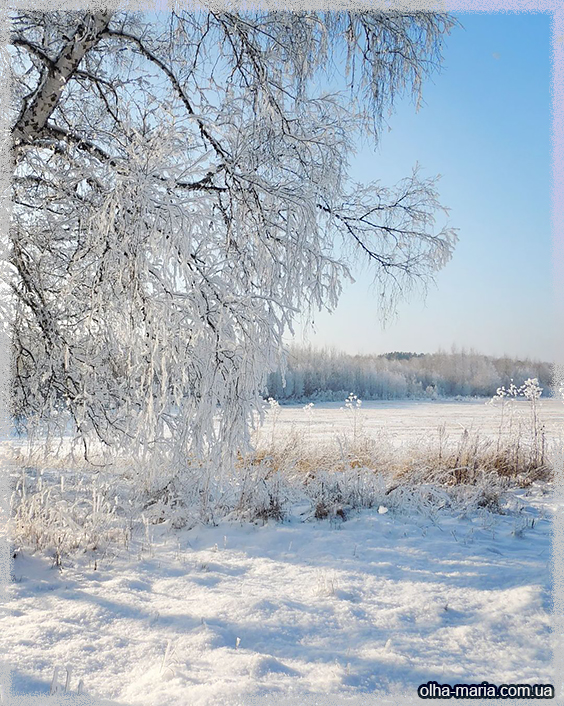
{"points": [[41, 105]]}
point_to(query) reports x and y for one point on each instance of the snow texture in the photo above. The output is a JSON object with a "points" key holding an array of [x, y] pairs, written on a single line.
{"points": [[243, 613]]}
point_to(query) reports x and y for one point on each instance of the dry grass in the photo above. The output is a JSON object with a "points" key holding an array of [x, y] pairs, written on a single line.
{"points": [[354, 470], [455, 462], [61, 518], [70, 511]]}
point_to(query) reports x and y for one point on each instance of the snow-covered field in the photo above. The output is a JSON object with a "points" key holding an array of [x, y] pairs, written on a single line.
{"points": [[376, 603], [401, 421], [304, 609]]}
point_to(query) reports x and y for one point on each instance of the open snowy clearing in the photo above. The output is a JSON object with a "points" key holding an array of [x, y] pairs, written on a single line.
{"points": [[393, 597], [401, 421], [394, 422], [219, 615]]}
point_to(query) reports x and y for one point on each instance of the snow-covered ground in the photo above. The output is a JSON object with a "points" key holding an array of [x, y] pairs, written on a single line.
{"points": [[401, 421], [286, 612], [218, 615]]}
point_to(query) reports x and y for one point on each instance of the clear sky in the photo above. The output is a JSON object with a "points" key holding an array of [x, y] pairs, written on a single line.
{"points": [[485, 127]]}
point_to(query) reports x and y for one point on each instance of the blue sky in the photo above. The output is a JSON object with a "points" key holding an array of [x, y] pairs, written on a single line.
{"points": [[485, 127]]}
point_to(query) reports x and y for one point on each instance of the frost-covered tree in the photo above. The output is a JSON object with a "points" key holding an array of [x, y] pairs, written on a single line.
{"points": [[181, 191], [332, 375]]}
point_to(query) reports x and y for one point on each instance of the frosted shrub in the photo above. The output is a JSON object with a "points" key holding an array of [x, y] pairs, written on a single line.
{"points": [[527, 451], [308, 410], [169, 503], [326, 496], [258, 493], [353, 406], [334, 494], [63, 517], [429, 492]]}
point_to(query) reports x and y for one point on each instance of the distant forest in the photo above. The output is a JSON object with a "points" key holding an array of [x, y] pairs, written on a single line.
{"points": [[327, 375]]}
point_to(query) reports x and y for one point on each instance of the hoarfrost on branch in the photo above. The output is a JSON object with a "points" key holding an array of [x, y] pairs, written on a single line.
{"points": [[181, 192]]}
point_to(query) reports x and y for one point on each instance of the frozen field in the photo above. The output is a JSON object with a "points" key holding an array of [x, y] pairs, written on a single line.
{"points": [[403, 421], [244, 614], [302, 611]]}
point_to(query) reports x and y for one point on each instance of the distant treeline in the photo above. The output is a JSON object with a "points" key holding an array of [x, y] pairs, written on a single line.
{"points": [[326, 375]]}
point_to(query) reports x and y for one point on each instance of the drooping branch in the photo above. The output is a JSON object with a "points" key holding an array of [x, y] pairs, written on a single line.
{"points": [[180, 194]]}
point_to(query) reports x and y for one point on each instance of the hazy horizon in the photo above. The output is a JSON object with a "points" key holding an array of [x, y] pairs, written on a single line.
{"points": [[450, 350]]}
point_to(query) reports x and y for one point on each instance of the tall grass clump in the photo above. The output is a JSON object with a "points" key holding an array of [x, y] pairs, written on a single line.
{"points": [[521, 449], [67, 513], [355, 470]]}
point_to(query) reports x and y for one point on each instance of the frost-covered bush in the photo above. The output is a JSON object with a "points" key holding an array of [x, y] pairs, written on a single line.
{"points": [[65, 513], [521, 438]]}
